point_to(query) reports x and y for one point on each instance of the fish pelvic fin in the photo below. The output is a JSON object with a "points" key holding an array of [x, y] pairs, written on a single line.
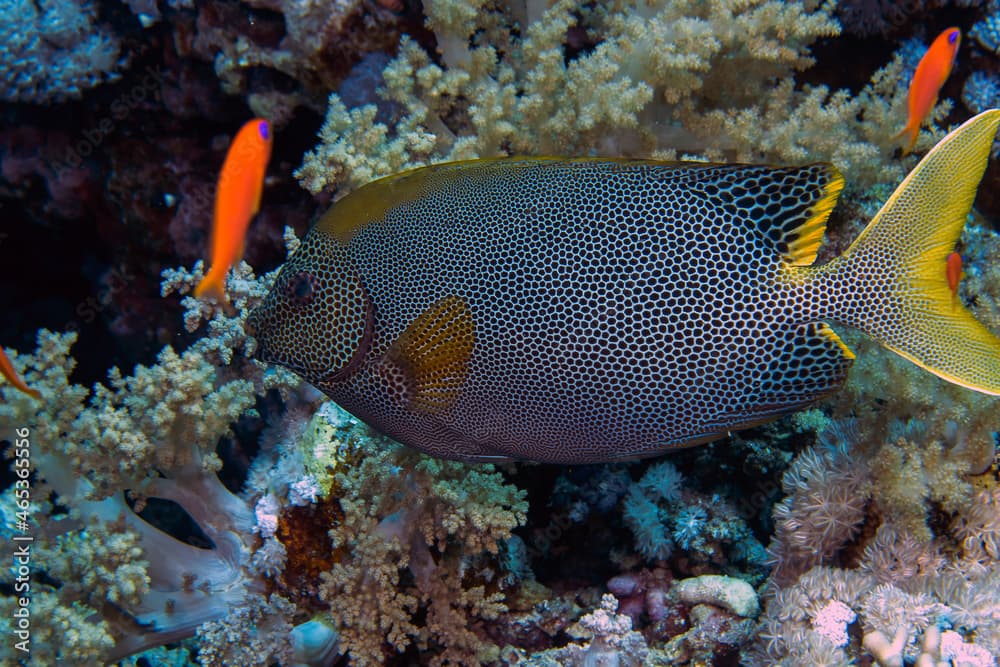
{"points": [[893, 279]]}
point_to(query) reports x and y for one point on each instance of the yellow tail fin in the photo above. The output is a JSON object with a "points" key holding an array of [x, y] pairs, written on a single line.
{"points": [[894, 276]]}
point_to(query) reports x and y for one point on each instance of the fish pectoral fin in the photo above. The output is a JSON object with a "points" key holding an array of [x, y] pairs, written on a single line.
{"points": [[427, 365], [810, 363], [787, 206]]}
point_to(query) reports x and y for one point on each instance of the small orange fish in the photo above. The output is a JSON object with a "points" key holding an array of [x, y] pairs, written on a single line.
{"points": [[930, 75], [953, 270], [15, 380], [237, 200]]}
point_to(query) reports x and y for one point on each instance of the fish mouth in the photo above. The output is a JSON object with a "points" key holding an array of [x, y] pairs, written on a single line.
{"points": [[264, 354], [251, 327]]}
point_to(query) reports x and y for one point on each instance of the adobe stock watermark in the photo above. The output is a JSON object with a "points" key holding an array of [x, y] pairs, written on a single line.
{"points": [[561, 522], [120, 109], [22, 542]]}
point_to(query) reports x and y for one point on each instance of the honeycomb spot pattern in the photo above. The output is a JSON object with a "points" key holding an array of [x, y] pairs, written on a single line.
{"points": [[620, 308], [590, 310], [895, 272], [318, 321]]}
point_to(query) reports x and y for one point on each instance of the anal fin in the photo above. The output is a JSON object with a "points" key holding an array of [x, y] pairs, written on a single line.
{"points": [[811, 362], [426, 366]]}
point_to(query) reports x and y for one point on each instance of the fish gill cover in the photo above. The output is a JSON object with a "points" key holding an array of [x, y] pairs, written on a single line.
{"points": [[195, 505]]}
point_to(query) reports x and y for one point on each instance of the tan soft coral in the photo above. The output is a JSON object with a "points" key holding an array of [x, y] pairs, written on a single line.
{"points": [[417, 548], [508, 87]]}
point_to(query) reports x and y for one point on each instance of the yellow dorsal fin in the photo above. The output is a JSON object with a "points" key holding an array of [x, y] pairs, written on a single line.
{"points": [[428, 363], [788, 206], [808, 236]]}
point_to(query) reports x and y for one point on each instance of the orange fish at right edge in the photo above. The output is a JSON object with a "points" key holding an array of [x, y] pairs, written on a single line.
{"points": [[931, 73], [953, 272], [237, 200], [7, 369]]}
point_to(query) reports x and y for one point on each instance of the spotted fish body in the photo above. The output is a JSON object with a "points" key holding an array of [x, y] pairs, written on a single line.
{"points": [[587, 310]]}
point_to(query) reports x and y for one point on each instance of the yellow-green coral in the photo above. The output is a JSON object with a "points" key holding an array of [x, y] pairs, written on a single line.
{"points": [[508, 86], [324, 447]]}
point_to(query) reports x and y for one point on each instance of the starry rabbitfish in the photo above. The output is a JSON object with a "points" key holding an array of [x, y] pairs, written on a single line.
{"points": [[589, 310]]}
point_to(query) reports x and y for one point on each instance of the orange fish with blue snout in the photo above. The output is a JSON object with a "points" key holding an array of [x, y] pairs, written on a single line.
{"points": [[931, 73], [237, 200], [7, 369]]}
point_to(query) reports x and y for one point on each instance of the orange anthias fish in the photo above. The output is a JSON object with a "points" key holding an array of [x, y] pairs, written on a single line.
{"points": [[931, 73], [15, 380], [237, 200], [953, 271]]}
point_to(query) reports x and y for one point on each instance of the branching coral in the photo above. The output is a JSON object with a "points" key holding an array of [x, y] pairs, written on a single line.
{"points": [[652, 67], [905, 588], [50, 51], [796, 126], [153, 434], [662, 514], [612, 642], [417, 554], [318, 43], [824, 509], [254, 634], [893, 616], [107, 448]]}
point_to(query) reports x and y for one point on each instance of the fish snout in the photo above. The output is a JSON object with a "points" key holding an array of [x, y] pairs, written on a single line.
{"points": [[252, 327]]}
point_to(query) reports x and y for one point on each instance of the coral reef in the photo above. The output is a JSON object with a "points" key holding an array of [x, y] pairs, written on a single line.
{"points": [[154, 434], [50, 51], [415, 553], [311, 43], [507, 79], [663, 516], [204, 509]]}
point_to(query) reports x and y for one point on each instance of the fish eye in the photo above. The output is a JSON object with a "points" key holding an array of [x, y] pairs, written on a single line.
{"points": [[265, 130], [953, 37], [301, 289]]}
